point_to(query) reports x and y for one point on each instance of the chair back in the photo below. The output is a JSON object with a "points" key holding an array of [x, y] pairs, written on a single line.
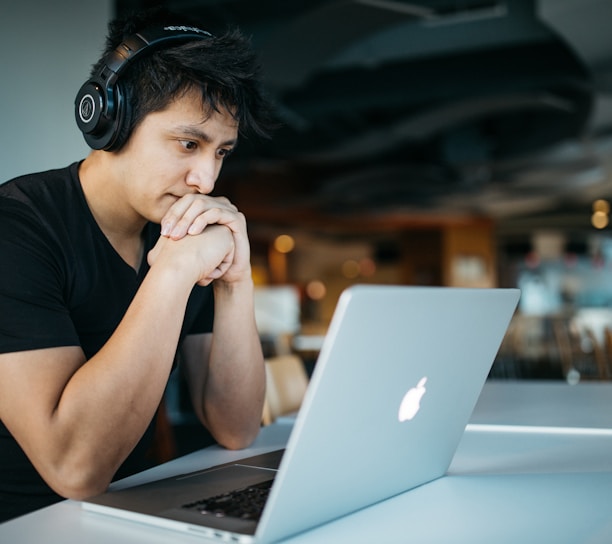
{"points": [[286, 383]]}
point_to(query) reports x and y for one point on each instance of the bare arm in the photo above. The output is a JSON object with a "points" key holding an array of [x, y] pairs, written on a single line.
{"points": [[225, 371], [78, 422]]}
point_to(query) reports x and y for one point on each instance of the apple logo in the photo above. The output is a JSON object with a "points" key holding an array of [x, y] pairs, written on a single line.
{"points": [[411, 403]]}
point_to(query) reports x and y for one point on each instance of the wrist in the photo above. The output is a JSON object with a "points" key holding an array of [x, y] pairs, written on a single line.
{"points": [[171, 283], [181, 269], [241, 287]]}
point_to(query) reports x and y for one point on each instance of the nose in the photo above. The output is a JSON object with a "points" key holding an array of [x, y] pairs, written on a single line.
{"points": [[203, 174]]}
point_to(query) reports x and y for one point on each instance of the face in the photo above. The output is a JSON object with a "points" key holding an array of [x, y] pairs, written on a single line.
{"points": [[174, 152]]}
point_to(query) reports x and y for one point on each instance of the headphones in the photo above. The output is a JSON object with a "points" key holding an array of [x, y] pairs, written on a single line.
{"points": [[101, 109]]}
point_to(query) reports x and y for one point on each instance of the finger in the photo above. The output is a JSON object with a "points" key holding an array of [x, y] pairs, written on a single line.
{"points": [[174, 214], [215, 274], [190, 215], [232, 219], [222, 268], [203, 212], [179, 208]]}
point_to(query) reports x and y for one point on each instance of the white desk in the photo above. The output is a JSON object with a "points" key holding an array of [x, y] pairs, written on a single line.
{"points": [[525, 485], [545, 403]]}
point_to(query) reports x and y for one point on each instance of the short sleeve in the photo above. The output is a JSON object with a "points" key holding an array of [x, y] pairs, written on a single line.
{"points": [[33, 312]]}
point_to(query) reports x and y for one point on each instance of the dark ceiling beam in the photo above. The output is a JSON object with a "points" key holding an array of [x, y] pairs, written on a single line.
{"points": [[298, 48]]}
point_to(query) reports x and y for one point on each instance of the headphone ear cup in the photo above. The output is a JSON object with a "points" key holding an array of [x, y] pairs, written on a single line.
{"points": [[89, 106], [98, 113], [119, 128], [102, 112]]}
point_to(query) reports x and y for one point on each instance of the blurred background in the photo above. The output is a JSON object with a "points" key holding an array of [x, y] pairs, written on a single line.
{"points": [[442, 142]]}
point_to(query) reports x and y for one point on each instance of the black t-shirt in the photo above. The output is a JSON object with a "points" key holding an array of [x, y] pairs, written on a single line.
{"points": [[63, 284]]}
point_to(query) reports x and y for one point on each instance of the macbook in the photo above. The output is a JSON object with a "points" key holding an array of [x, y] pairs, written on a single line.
{"points": [[395, 383]]}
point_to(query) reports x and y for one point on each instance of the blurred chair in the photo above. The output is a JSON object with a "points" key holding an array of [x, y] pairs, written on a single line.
{"points": [[571, 352], [564, 346], [599, 354], [286, 383], [507, 363], [163, 447], [608, 346], [580, 351]]}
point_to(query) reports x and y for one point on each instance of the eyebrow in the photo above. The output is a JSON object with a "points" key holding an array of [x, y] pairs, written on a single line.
{"points": [[202, 135]]}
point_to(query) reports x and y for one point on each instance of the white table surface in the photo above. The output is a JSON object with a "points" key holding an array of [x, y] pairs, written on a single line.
{"points": [[544, 477], [545, 403]]}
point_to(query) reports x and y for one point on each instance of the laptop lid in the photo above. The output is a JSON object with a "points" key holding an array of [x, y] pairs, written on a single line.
{"points": [[397, 378]]}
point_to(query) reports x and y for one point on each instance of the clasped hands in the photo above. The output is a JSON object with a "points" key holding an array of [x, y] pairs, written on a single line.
{"points": [[209, 229]]}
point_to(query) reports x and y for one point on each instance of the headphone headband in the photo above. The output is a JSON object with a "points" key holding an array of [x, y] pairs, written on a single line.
{"points": [[100, 107], [148, 40]]}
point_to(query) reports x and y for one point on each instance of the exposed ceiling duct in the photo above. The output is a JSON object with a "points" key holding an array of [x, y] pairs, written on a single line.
{"points": [[390, 103]]}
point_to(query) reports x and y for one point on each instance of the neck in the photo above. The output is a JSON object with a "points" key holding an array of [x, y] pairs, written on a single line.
{"points": [[119, 223]]}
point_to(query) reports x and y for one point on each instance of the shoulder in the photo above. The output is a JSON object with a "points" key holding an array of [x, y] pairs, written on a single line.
{"points": [[40, 212], [40, 186], [43, 198]]}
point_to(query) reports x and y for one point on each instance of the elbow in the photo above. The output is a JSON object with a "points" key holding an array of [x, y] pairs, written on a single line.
{"points": [[235, 443], [231, 434], [237, 440], [77, 483], [79, 489], [79, 492]]}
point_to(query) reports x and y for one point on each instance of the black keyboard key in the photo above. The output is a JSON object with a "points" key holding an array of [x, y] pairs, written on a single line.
{"points": [[247, 503]]}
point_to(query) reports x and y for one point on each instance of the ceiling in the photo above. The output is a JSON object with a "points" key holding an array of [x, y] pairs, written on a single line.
{"points": [[398, 111]]}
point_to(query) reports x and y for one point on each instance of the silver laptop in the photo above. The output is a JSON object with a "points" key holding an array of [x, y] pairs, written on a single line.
{"points": [[397, 378]]}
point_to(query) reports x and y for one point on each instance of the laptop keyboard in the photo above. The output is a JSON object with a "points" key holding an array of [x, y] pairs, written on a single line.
{"points": [[246, 503]]}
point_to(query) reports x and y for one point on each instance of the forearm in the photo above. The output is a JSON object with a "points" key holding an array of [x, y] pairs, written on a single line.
{"points": [[235, 385], [108, 403], [225, 370], [88, 415]]}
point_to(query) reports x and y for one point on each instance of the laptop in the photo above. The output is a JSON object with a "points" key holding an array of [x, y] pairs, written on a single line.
{"points": [[395, 383]]}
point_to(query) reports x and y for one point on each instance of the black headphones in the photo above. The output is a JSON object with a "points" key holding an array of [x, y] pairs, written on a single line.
{"points": [[101, 109]]}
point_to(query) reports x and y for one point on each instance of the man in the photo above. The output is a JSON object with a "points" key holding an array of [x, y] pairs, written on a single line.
{"points": [[110, 266]]}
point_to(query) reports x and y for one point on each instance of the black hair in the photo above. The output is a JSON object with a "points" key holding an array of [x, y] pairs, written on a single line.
{"points": [[223, 68]]}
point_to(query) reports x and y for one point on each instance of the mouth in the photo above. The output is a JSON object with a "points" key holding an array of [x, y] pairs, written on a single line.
{"points": [[166, 202], [171, 198]]}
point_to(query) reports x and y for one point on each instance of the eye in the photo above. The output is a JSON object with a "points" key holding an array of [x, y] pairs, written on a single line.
{"points": [[225, 152], [189, 145]]}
